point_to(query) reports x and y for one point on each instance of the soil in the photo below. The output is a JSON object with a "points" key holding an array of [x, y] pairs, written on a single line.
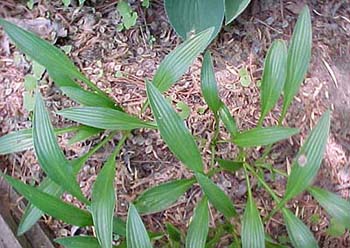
{"points": [[118, 62]]}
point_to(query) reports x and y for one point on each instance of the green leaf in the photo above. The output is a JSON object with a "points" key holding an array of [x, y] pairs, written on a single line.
{"points": [[78, 242], [53, 59], [184, 110], [16, 141], [233, 8], [51, 205], [32, 214], [253, 234], [208, 84], [309, 158], [88, 98], [174, 233], [244, 76], [49, 154], [216, 196], [104, 118], [177, 62], [84, 133], [161, 197], [261, 136], [298, 232], [28, 101], [228, 120], [190, 17], [274, 76], [199, 226], [136, 234], [335, 206], [230, 165], [335, 229], [30, 82], [103, 203], [299, 55], [173, 130], [119, 226]]}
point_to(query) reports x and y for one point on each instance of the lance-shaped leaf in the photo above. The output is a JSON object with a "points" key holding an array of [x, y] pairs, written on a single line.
{"points": [[174, 234], [335, 206], [216, 196], [51, 205], [261, 136], [32, 213], [84, 133], [104, 118], [22, 140], [162, 196], [208, 84], [177, 62], [253, 234], [16, 141], [136, 234], [103, 203], [119, 226], [87, 98], [228, 120], [299, 55], [190, 17], [52, 58], [309, 158], [199, 226], [173, 130], [234, 8], [298, 232], [78, 242], [274, 76], [49, 154], [230, 165]]}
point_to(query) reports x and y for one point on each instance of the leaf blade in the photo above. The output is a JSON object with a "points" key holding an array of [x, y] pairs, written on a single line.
{"points": [[253, 234], [299, 56], [104, 118], [191, 16], [299, 234], [308, 159], [233, 9], [263, 136], [228, 120], [199, 226], [208, 83], [103, 203], [173, 130], [335, 206], [274, 76], [161, 197], [78, 242], [51, 205], [177, 62], [136, 234], [216, 196], [48, 152]]}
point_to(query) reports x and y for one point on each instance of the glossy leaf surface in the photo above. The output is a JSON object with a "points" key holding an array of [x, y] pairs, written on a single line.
{"points": [[233, 8]]}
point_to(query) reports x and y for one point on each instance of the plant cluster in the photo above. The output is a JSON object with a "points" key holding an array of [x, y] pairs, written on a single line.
{"points": [[284, 71]]}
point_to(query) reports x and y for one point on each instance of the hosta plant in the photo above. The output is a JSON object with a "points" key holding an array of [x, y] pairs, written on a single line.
{"points": [[284, 70]]}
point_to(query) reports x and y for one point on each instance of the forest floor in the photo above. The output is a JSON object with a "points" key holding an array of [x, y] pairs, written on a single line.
{"points": [[118, 62]]}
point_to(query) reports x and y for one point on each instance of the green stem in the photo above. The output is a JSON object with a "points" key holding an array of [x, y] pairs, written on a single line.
{"points": [[262, 165], [214, 140], [263, 183]]}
